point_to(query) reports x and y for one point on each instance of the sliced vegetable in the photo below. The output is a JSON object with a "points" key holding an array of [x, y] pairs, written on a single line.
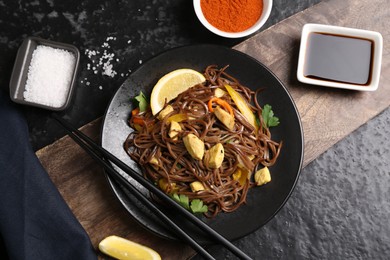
{"points": [[268, 117], [218, 92], [177, 118], [220, 102], [142, 102], [135, 111], [163, 184], [138, 127], [241, 175], [166, 187], [137, 121], [153, 160], [242, 105]]}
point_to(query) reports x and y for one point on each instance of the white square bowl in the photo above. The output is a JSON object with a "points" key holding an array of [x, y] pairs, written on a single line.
{"points": [[350, 33]]}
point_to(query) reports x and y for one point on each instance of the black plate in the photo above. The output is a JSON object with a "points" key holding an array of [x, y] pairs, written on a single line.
{"points": [[262, 202]]}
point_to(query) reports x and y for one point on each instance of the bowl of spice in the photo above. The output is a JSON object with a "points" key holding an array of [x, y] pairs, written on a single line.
{"points": [[44, 74], [233, 19]]}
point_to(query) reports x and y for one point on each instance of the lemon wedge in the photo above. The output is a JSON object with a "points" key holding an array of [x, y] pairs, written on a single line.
{"points": [[171, 85], [124, 249]]}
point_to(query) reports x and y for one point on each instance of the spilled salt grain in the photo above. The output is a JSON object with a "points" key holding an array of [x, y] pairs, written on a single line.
{"points": [[49, 76], [103, 62]]}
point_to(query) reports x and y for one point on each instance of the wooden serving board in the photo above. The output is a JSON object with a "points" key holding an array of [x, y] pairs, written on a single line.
{"points": [[84, 187], [327, 115]]}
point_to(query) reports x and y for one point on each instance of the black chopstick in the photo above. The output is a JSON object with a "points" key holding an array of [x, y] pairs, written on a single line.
{"points": [[84, 140], [121, 180]]}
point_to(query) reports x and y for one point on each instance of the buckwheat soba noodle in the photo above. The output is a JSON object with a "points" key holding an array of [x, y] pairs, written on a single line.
{"points": [[168, 160]]}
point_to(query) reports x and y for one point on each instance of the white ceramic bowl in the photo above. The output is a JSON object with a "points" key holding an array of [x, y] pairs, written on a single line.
{"points": [[267, 6], [373, 65]]}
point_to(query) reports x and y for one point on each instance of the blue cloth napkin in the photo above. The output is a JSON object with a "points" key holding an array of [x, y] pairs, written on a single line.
{"points": [[35, 221]]}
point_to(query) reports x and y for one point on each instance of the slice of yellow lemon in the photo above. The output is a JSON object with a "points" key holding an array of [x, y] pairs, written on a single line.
{"points": [[171, 85], [124, 249]]}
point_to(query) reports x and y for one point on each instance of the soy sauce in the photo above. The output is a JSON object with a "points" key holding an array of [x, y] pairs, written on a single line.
{"points": [[339, 58]]}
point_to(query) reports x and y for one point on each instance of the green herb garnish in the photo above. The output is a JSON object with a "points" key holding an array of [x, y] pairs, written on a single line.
{"points": [[268, 117], [195, 206], [182, 200], [142, 102]]}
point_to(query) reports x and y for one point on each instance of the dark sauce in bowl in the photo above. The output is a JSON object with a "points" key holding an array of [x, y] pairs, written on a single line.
{"points": [[339, 58]]}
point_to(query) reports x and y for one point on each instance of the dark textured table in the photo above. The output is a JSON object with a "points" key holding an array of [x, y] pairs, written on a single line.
{"points": [[133, 31], [340, 207]]}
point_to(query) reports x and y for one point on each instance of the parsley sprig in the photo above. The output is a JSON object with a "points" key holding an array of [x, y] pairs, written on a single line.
{"points": [[195, 206], [268, 117]]}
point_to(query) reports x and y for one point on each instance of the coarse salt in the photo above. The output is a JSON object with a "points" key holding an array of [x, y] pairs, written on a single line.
{"points": [[104, 61], [49, 76]]}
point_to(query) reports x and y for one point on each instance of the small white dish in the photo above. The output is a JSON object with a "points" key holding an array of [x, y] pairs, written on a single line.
{"points": [[340, 57], [267, 6]]}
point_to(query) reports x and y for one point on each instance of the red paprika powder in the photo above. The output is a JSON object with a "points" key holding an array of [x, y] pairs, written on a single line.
{"points": [[232, 15]]}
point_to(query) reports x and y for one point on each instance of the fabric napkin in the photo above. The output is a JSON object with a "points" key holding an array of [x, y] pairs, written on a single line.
{"points": [[35, 221]]}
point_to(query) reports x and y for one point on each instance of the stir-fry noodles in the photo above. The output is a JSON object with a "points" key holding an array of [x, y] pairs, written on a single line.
{"points": [[205, 146]]}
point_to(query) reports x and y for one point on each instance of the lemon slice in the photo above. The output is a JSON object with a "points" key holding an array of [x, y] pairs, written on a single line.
{"points": [[171, 85], [124, 249]]}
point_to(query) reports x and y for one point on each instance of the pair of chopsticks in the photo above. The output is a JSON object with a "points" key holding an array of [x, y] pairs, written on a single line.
{"points": [[105, 158]]}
